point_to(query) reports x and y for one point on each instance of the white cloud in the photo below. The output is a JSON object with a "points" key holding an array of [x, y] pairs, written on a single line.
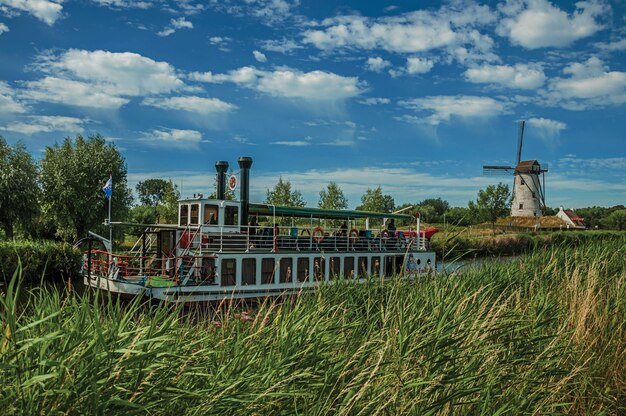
{"points": [[619, 45], [46, 124], [44, 10], [100, 79], [415, 65], [536, 24], [125, 4], [377, 64], [590, 84], [269, 12], [289, 83], [612, 163], [8, 103], [442, 108], [259, 56], [175, 24], [294, 143], [191, 104], [219, 40], [282, 46], [3, 28], [452, 27], [375, 101], [173, 137], [522, 76], [546, 128]]}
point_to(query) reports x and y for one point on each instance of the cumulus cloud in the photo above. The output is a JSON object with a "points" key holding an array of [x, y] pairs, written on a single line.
{"points": [[124, 4], [590, 84], [414, 66], [443, 108], [451, 28], [100, 79], [270, 12], [289, 83], [618, 45], [175, 24], [8, 101], [259, 56], [44, 10], [546, 128], [536, 24], [377, 64], [172, 138], [375, 101], [3, 28], [521, 76], [192, 104], [45, 124], [283, 45]]}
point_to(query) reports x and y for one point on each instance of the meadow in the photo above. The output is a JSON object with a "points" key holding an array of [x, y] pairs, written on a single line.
{"points": [[542, 334]]}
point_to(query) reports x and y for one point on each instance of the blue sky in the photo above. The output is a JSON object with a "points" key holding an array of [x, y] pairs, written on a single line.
{"points": [[361, 93]]}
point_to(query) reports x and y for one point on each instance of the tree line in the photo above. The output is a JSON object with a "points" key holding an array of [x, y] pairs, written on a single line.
{"points": [[61, 195]]}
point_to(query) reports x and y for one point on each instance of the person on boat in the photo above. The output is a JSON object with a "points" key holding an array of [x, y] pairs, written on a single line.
{"points": [[212, 220], [392, 228], [343, 230]]}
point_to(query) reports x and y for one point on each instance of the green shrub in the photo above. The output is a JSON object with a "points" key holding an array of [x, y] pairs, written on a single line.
{"points": [[48, 259]]}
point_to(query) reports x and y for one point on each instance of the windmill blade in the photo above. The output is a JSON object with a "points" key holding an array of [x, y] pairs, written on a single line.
{"points": [[498, 170], [543, 168], [520, 140]]}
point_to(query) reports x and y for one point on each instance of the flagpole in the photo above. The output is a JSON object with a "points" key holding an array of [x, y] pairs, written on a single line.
{"points": [[110, 226]]}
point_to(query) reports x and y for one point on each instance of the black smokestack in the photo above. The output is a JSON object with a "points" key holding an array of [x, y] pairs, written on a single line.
{"points": [[244, 164], [221, 167]]}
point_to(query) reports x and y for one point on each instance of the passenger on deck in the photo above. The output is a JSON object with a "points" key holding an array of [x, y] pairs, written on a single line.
{"points": [[252, 226], [212, 220], [343, 230], [392, 228]]}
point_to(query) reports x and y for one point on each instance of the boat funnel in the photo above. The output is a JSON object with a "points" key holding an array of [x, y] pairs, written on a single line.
{"points": [[244, 164], [221, 167]]}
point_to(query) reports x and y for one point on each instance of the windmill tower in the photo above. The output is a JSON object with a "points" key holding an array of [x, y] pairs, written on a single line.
{"points": [[528, 189]]}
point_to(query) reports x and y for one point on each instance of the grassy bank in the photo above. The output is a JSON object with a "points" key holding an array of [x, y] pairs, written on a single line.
{"points": [[542, 335]]}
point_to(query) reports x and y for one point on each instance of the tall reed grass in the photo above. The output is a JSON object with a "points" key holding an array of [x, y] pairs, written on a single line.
{"points": [[544, 334]]}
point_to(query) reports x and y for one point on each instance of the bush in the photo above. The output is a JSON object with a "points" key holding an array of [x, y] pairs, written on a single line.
{"points": [[48, 259]]}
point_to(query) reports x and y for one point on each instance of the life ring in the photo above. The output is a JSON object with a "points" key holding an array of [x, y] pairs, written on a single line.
{"points": [[318, 235], [305, 230], [353, 235]]}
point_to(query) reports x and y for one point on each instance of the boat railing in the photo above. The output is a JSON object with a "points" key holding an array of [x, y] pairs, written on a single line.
{"points": [[292, 238], [174, 268]]}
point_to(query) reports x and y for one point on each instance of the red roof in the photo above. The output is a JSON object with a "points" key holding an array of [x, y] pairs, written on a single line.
{"points": [[576, 219]]}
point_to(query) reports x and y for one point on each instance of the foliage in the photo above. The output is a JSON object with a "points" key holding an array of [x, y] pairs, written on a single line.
{"points": [[19, 188], [73, 175], [543, 334], [283, 195], [459, 216], [433, 209], [162, 196], [373, 200], [332, 197], [229, 195], [142, 214], [493, 202], [47, 259], [616, 220]]}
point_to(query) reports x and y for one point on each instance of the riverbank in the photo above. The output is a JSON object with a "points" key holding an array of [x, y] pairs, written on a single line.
{"points": [[544, 334]]}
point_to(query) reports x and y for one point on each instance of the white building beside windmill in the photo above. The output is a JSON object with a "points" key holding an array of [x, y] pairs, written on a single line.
{"points": [[528, 183]]}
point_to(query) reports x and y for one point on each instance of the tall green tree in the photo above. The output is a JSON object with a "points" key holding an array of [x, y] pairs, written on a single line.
{"points": [[283, 195], [492, 203], [19, 189], [434, 208], [332, 197], [73, 175], [375, 201], [162, 195], [616, 220]]}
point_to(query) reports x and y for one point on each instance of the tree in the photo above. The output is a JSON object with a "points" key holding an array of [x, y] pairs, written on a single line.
{"points": [[73, 175], [283, 195], [459, 216], [373, 200], [435, 208], [162, 196], [492, 203], [616, 220], [19, 189], [332, 197]]}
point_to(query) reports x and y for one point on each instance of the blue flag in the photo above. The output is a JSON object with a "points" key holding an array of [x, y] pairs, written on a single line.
{"points": [[108, 188]]}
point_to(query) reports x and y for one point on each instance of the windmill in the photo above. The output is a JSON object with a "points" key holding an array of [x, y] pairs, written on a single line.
{"points": [[528, 190]]}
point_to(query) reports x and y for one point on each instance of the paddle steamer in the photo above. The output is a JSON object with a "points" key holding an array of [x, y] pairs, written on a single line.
{"points": [[217, 250]]}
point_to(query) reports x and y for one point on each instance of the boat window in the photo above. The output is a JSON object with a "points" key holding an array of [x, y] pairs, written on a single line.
{"points": [[210, 214], [267, 271], [363, 267], [184, 214], [335, 267], [286, 270], [348, 267], [248, 272], [389, 266], [229, 269], [232, 214], [319, 268], [303, 269], [194, 216]]}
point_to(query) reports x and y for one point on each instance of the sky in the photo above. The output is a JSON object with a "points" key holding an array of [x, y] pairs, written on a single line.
{"points": [[412, 96]]}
